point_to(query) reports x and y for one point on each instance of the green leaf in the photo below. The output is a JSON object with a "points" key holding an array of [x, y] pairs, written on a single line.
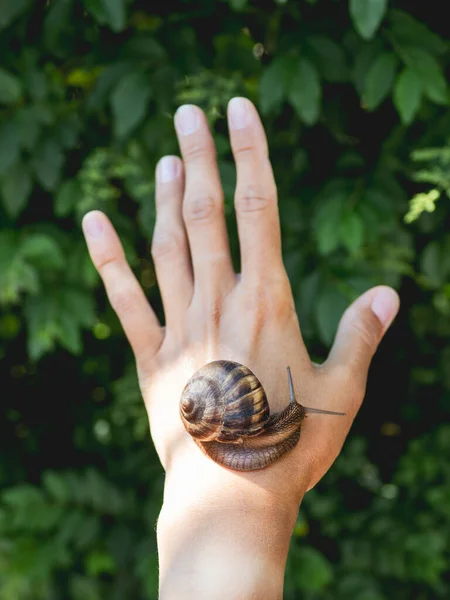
{"points": [[379, 80], [352, 232], [305, 91], [407, 31], [40, 313], [10, 88], [238, 5], [57, 24], [407, 95], [99, 562], [115, 10], [435, 264], [367, 16], [329, 309], [69, 333], [16, 187], [314, 571], [329, 57], [274, 83], [108, 12], [129, 102], [327, 221], [68, 195], [56, 486], [10, 10], [364, 59], [42, 250], [47, 162], [430, 74], [29, 123], [80, 305], [9, 145]]}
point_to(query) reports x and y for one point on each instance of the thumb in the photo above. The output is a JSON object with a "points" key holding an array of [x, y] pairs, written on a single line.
{"points": [[362, 328]]}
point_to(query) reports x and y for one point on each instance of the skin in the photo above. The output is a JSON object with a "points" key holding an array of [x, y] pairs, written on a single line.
{"points": [[220, 529]]}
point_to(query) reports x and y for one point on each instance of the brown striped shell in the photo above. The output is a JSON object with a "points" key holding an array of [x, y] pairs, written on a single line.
{"points": [[224, 401], [225, 410]]}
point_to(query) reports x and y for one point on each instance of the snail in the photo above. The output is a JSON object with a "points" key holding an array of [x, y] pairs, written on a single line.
{"points": [[225, 410]]}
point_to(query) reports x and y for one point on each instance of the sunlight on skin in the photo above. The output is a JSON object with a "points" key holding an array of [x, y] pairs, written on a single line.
{"points": [[210, 315]]}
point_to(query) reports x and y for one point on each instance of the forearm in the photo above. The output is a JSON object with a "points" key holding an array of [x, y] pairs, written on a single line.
{"points": [[217, 550]]}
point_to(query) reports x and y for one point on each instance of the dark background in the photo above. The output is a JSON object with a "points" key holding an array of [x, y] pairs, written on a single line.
{"points": [[355, 103]]}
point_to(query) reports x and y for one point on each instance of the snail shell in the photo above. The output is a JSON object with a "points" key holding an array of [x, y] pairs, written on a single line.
{"points": [[225, 410]]}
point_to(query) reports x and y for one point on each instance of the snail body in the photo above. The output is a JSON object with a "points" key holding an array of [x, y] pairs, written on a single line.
{"points": [[225, 409]]}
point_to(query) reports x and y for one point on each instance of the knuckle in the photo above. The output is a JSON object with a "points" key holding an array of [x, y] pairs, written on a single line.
{"points": [[199, 208], [368, 331], [166, 243], [123, 300], [244, 150], [253, 199], [275, 298], [104, 261], [194, 151]]}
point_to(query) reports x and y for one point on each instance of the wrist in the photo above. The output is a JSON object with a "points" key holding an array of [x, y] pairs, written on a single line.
{"points": [[223, 532]]}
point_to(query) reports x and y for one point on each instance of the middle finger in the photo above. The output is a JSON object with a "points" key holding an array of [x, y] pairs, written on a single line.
{"points": [[203, 202]]}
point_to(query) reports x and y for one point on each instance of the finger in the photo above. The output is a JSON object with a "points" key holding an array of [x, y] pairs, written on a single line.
{"points": [[256, 195], [361, 329], [170, 248], [124, 292], [203, 200]]}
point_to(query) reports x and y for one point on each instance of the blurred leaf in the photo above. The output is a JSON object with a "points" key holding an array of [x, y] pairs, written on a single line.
{"points": [[129, 102], [16, 186], [56, 26], [99, 562], [407, 95], [10, 88], [330, 58], [275, 82], [115, 10], [238, 4], [47, 163], [430, 74], [380, 79], [367, 16], [364, 60], [305, 91], [68, 195], [435, 264], [109, 12], [410, 32], [314, 571], [42, 250], [55, 484], [9, 145], [352, 232], [327, 221], [329, 309], [10, 10]]}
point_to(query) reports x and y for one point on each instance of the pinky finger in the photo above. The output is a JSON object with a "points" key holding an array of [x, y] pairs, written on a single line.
{"points": [[126, 296]]}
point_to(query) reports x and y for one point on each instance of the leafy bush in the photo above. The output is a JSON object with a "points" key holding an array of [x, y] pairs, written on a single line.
{"points": [[352, 96]]}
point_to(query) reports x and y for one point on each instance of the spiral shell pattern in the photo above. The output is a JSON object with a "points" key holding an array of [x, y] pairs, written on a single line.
{"points": [[225, 402]]}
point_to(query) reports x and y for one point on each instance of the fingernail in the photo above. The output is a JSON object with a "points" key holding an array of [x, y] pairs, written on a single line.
{"points": [[385, 305], [238, 113], [92, 225], [187, 119], [168, 169]]}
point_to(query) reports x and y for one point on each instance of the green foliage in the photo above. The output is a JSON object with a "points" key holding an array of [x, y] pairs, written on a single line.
{"points": [[354, 96]]}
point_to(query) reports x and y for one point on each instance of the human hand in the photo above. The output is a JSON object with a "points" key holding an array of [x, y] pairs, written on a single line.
{"points": [[211, 314]]}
